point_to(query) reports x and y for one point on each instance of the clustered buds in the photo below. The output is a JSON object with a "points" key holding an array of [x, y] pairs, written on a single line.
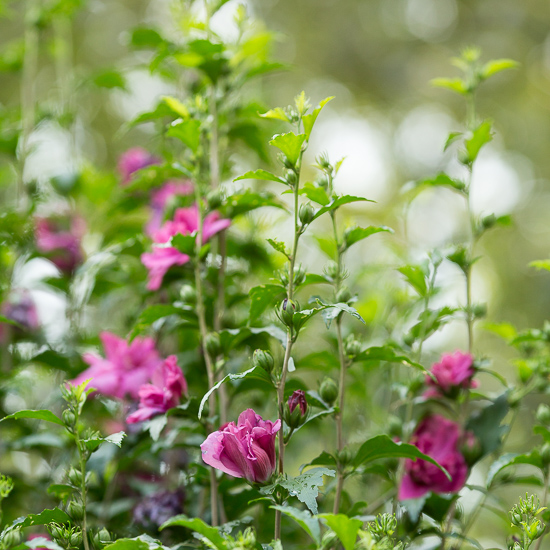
{"points": [[263, 359], [524, 515]]}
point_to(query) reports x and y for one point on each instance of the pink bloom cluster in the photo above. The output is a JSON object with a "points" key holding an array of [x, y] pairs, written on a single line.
{"points": [[185, 222], [245, 450], [453, 372], [165, 391], [62, 246], [133, 160], [160, 199], [440, 439]]}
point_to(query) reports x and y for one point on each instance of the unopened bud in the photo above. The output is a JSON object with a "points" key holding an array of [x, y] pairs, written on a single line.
{"points": [[545, 454], [76, 539], [328, 390], [329, 540], [332, 270], [323, 182], [75, 477], [76, 510], [286, 162], [291, 177], [344, 456], [11, 538], [69, 418], [343, 295], [352, 347], [264, 359], [213, 344], [286, 312], [295, 413], [104, 535], [306, 213], [299, 275], [471, 448]]}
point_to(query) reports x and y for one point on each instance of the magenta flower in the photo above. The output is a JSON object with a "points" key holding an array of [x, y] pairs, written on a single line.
{"points": [[125, 369], [244, 450], [185, 221], [452, 373], [298, 398], [61, 246], [133, 160], [160, 200], [440, 439], [165, 391]]}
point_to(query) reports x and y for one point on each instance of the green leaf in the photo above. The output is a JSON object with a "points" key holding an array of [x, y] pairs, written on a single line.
{"points": [[262, 297], [443, 180], [36, 415], [415, 277], [496, 66], [45, 517], [279, 247], [304, 519], [324, 459], [305, 487], [381, 446], [510, 459], [290, 144], [276, 114], [260, 175], [486, 424], [453, 136], [328, 246], [314, 193], [127, 544], [331, 312], [540, 264], [176, 105], [151, 314], [377, 354], [340, 201], [186, 244], [309, 120], [345, 528], [110, 80], [248, 201], [146, 38], [61, 492], [455, 84], [359, 233], [188, 132], [94, 443], [430, 320], [198, 526], [480, 136]]}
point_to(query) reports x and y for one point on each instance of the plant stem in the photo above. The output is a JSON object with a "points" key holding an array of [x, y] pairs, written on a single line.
{"points": [[544, 504], [83, 489], [340, 415]]}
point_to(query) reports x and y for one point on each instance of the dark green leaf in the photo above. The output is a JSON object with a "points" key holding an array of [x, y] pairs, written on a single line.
{"points": [[486, 424], [151, 314], [45, 517], [359, 233], [94, 443], [188, 132], [304, 519], [36, 415], [146, 38], [510, 459], [127, 544], [345, 528], [262, 297], [198, 526]]}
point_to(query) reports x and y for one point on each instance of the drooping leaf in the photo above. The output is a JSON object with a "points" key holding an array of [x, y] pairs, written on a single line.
{"points": [[359, 233], [345, 528], [290, 144], [540, 264], [304, 519], [378, 354], [198, 526], [511, 459], [94, 443], [381, 446], [453, 136], [260, 175], [276, 114], [454, 84], [49, 416]]}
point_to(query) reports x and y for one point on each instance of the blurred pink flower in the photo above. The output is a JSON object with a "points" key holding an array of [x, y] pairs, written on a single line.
{"points": [[20, 307], [133, 160], [165, 391], [244, 450], [125, 369], [440, 439], [39, 536], [61, 246], [160, 200], [185, 221], [453, 372]]}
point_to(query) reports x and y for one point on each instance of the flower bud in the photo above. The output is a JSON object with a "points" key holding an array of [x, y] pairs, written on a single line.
{"points": [[69, 418], [76, 539], [286, 162], [328, 390], [535, 529], [75, 477], [295, 413], [104, 535], [545, 454], [343, 457], [56, 531], [11, 538], [213, 344], [306, 213], [291, 177], [543, 414], [188, 294], [214, 199], [332, 270], [343, 295], [299, 275], [264, 359], [286, 312], [75, 510], [323, 182], [352, 347]]}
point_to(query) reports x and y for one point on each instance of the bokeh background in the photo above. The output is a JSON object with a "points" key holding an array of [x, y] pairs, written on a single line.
{"points": [[377, 57]]}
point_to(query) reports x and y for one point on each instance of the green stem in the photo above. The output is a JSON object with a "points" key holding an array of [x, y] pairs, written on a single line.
{"points": [[544, 504], [83, 489]]}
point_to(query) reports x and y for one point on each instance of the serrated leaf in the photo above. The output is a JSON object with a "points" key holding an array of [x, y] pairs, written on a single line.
{"points": [[290, 144], [340, 201], [304, 519], [45, 517], [305, 487], [331, 312], [262, 297], [260, 175], [496, 66], [93, 444], [455, 84], [188, 132], [415, 277], [381, 446], [480, 136], [198, 526], [359, 233], [279, 247], [309, 120], [345, 528], [276, 114], [35, 415]]}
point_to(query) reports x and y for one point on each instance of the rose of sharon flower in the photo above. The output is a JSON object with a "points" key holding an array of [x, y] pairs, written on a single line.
{"points": [[186, 221], [133, 160], [20, 307], [440, 439], [160, 200], [125, 368], [158, 508], [168, 385], [245, 450], [453, 372], [62, 246]]}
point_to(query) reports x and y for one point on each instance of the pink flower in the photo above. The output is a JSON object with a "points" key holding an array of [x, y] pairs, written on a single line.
{"points": [[168, 385], [440, 439], [298, 399], [133, 160], [452, 373], [125, 369], [62, 246], [244, 450], [185, 221], [20, 307], [160, 200], [39, 536]]}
